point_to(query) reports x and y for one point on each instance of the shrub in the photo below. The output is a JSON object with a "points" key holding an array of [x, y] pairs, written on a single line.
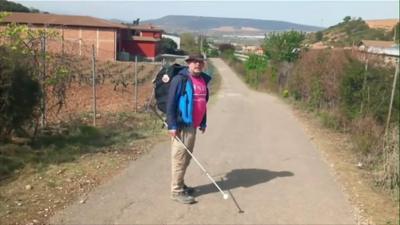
{"points": [[255, 67], [367, 136], [316, 76], [283, 46], [351, 89], [223, 48], [389, 173], [19, 91], [368, 92]]}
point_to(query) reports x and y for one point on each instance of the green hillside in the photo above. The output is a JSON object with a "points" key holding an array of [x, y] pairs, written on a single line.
{"points": [[9, 6], [351, 31]]}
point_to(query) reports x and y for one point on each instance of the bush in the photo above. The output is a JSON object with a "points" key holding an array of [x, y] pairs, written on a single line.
{"points": [[330, 119], [367, 136], [226, 48], [283, 46], [351, 89], [255, 67], [388, 176], [19, 92], [316, 76], [213, 53], [368, 92]]}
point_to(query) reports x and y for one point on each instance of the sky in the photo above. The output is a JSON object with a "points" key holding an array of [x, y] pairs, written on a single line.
{"points": [[316, 13]]}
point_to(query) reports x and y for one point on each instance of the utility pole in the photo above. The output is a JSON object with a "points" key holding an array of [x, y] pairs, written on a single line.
{"points": [[94, 84], [396, 73], [136, 84]]}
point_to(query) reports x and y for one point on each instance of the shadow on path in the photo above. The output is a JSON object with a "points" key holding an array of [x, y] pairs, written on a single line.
{"points": [[241, 178]]}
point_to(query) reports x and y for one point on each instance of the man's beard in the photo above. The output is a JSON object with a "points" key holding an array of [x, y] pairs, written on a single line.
{"points": [[196, 73]]}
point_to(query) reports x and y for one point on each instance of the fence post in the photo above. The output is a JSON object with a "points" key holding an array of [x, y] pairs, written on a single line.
{"points": [[136, 84], [364, 84], [42, 81], [94, 84], [396, 73]]}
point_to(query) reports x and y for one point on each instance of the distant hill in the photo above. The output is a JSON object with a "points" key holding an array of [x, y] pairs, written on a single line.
{"points": [[219, 25], [10, 6]]}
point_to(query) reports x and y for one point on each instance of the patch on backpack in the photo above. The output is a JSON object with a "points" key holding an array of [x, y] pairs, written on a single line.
{"points": [[165, 78]]}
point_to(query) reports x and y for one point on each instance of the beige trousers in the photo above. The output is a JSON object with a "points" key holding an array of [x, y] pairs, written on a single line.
{"points": [[180, 158]]}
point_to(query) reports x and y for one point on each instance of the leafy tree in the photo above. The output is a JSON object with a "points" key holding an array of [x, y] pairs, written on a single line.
{"points": [[19, 90], [395, 33], [255, 66], [204, 44], [188, 43], [283, 46], [223, 48], [167, 46], [20, 62], [212, 52], [346, 19], [319, 35], [227, 51]]}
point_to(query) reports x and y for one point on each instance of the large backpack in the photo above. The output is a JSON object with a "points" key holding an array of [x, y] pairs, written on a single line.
{"points": [[162, 83]]}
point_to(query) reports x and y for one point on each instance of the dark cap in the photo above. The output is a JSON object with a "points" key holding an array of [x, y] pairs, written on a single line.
{"points": [[195, 57]]}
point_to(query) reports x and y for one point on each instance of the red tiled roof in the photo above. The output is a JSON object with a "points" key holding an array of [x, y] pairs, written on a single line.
{"points": [[53, 19]]}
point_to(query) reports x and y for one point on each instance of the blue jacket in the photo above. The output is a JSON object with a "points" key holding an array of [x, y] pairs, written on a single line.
{"points": [[180, 107]]}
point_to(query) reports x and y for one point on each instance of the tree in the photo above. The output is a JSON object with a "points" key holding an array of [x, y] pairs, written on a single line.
{"points": [[319, 35], [167, 46], [394, 34], [19, 90], [346, 19], [283, 46], [224, 48], [227, 51], [188, 43], [22, 64], [255, 66]]}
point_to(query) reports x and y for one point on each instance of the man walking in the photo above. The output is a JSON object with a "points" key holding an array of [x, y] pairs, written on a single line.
{"points": [[186, 111]]}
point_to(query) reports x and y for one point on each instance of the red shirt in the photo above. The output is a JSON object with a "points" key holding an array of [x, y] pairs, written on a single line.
{"points": [[199, 99]]}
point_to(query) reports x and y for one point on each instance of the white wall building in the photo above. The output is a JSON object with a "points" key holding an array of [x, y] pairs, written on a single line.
{"points": [[176, 39]]}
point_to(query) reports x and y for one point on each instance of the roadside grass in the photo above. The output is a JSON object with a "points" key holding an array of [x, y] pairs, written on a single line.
{"points": [[77, 138], [215, 84], [66, 162]]}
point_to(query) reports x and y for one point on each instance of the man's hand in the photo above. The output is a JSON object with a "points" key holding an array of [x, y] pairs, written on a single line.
{"points": [[202, 129], [172, 133]]}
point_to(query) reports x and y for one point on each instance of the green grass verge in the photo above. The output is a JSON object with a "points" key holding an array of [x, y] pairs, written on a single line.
{"points": [[215, 84], [117, 132]]}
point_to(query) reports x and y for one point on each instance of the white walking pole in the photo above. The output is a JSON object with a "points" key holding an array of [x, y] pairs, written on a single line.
{"points": [[224, 195]]}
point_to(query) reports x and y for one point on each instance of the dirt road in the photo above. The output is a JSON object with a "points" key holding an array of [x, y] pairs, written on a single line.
{"points": [[253, 146]]}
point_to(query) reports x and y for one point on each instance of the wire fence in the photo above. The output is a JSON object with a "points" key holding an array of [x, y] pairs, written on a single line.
{"points": [[88, 88]]}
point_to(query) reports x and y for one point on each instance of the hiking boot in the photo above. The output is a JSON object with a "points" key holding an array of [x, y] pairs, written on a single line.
{"points": [[183, 197], [188, 190]]}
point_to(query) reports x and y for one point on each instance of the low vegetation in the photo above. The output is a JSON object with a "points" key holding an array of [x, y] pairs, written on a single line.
{"points": [[67, 161], [68, 142], [20, 91]]}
